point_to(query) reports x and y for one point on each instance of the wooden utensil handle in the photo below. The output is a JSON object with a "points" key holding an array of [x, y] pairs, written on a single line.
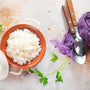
{"points": [[71, 10], [68, 18], [88, 55]]}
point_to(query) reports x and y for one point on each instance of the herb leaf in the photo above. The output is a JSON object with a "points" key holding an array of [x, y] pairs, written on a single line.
{"points": [[59, 77], [1, 27], [39, 73], [30, 70], [43, 80], [54, 57]]}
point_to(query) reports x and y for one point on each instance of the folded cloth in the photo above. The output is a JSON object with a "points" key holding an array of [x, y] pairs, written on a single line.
{"points": [[66, 45]]}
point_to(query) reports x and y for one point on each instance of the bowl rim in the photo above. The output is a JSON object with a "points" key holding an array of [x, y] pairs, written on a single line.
{"points": [[10, 30]]}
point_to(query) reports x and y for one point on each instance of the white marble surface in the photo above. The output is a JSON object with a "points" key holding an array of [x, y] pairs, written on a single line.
{"points": [[50, 15]]}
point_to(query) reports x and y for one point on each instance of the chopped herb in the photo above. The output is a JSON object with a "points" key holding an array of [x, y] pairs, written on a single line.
{"points": [[39, 73], [54, 57], [55, 46], [30, 70], [43, 80], [49, 11], [59, 77]]}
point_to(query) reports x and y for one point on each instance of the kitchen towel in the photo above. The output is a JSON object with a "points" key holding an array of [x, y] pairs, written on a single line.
{"points": [[66, 45]]}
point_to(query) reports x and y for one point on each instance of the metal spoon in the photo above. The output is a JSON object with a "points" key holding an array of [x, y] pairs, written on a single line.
{"points": [[79, 50]]}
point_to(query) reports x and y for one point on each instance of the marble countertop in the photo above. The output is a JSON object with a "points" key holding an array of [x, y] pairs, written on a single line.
{"points": [[53, 25]]}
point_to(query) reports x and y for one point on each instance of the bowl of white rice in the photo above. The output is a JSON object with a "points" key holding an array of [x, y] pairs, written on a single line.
{"points": [[23, 45]]}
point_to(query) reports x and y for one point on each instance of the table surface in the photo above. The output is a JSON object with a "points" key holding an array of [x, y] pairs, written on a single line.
{"points": [[53, 25]]}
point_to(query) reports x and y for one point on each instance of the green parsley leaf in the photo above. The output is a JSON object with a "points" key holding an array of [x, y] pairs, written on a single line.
{"points": [[54, 57], [53, 60], [39, 73], [30, 70], [43, 80], [59, 77], [1, 27]]}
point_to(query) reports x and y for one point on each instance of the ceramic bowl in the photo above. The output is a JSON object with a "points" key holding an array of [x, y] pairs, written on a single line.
{"points": [[32, 29]]}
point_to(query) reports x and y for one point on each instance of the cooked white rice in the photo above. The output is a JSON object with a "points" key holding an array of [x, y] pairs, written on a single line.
{"points": [[23, 46]]}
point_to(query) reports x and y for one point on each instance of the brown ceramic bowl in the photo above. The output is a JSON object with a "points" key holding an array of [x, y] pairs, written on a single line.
{"points": [[34, 30]]}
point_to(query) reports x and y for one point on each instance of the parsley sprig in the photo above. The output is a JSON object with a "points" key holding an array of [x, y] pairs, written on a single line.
{"points": [[43, 77], [1, 25]]}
